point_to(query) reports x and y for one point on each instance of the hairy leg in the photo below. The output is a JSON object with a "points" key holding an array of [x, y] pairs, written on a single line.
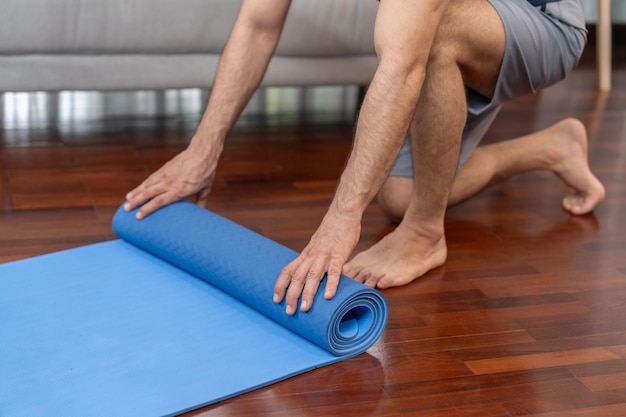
{"points": [[418, 243], [463, 54], [560, 148]]}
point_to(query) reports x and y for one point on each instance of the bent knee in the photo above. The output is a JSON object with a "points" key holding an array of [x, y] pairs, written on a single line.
{"points": [[393, 198]]}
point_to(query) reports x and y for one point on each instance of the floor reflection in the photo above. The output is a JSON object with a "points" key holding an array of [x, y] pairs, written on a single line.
{"points": [[91, 111]]}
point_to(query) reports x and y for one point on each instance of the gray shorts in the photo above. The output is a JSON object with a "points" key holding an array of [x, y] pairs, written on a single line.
{"points": [[543, 44]]}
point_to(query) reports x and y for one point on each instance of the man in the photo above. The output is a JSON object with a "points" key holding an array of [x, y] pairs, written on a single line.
{"points": [[445, 67]]}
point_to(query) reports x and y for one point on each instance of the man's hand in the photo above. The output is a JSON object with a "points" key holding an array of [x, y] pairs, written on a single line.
{"points": [[326, 253], [186, 174], [242, 66]]}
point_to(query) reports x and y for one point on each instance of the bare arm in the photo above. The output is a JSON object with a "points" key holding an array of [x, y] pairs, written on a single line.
{"points": [[243, 64], [404, 34]]}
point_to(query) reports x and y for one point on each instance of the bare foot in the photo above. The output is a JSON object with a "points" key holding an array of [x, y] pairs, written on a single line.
{"points": [[569, 162], [398, 259]]}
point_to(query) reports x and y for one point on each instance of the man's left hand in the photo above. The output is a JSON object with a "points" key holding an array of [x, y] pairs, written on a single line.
{"points": [[325, 254]]}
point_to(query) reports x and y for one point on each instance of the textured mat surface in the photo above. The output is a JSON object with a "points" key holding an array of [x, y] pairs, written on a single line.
{"points": [[176, 315]]}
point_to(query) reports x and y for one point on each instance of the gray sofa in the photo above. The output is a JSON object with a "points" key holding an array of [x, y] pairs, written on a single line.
{"points": [[51, 45]]}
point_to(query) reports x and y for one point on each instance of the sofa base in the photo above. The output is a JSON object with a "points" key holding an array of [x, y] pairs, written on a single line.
{"points": [[139, 72]]}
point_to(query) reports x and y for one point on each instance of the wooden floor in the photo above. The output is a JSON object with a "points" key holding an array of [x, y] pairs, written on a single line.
{"points": [[527, 318]]}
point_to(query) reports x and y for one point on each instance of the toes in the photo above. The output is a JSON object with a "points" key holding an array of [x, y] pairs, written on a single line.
{"points": [[383, 283], [348, 270], [578, 204], [371, 281], [568, 203]]}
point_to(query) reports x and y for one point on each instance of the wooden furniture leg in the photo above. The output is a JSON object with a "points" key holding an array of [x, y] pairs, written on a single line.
{"points": [[603, 45]]}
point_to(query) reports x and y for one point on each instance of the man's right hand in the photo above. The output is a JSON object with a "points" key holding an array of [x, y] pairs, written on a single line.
{"points": [[242, 66], [188, 173]]}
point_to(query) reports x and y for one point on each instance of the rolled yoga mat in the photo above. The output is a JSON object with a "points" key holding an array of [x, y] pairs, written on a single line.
{"points": [[175, 316]]}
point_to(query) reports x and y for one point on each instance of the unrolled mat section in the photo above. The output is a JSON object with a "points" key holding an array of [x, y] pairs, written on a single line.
{"points": [[176, 315]]}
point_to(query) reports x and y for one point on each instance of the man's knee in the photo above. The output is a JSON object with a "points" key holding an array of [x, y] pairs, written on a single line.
{"points": [[393, 198], [470, 37]]}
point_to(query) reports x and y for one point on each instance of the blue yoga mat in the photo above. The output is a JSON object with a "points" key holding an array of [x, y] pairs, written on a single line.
{"points": [[176, 315]]}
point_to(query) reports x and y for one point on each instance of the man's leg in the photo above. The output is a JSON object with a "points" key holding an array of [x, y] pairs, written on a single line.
{"points": [[561, 148], [467, 50]]}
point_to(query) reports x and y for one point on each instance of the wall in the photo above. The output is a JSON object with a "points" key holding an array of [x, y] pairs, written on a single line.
{"points": [[618, 10]]}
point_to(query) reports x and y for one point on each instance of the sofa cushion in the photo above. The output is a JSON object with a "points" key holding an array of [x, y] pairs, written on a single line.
{"points": [[314, 27]]}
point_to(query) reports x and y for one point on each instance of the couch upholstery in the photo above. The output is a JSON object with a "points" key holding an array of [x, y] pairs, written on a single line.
{"points": [[48, 45]]}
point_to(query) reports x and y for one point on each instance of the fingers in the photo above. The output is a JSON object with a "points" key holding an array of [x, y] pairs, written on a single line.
{"points": [[300, 280], [149, 197], [163, 188], [202, 197], [146, 191], [312, 281], [280, 287], [135, 198], [156, 203], [289, 285], [334, 273], [184, 175]]}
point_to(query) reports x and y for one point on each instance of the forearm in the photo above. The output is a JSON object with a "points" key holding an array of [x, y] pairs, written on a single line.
{"points": [[383, 122], [240, 72], [403, 36], [245, 58]]}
